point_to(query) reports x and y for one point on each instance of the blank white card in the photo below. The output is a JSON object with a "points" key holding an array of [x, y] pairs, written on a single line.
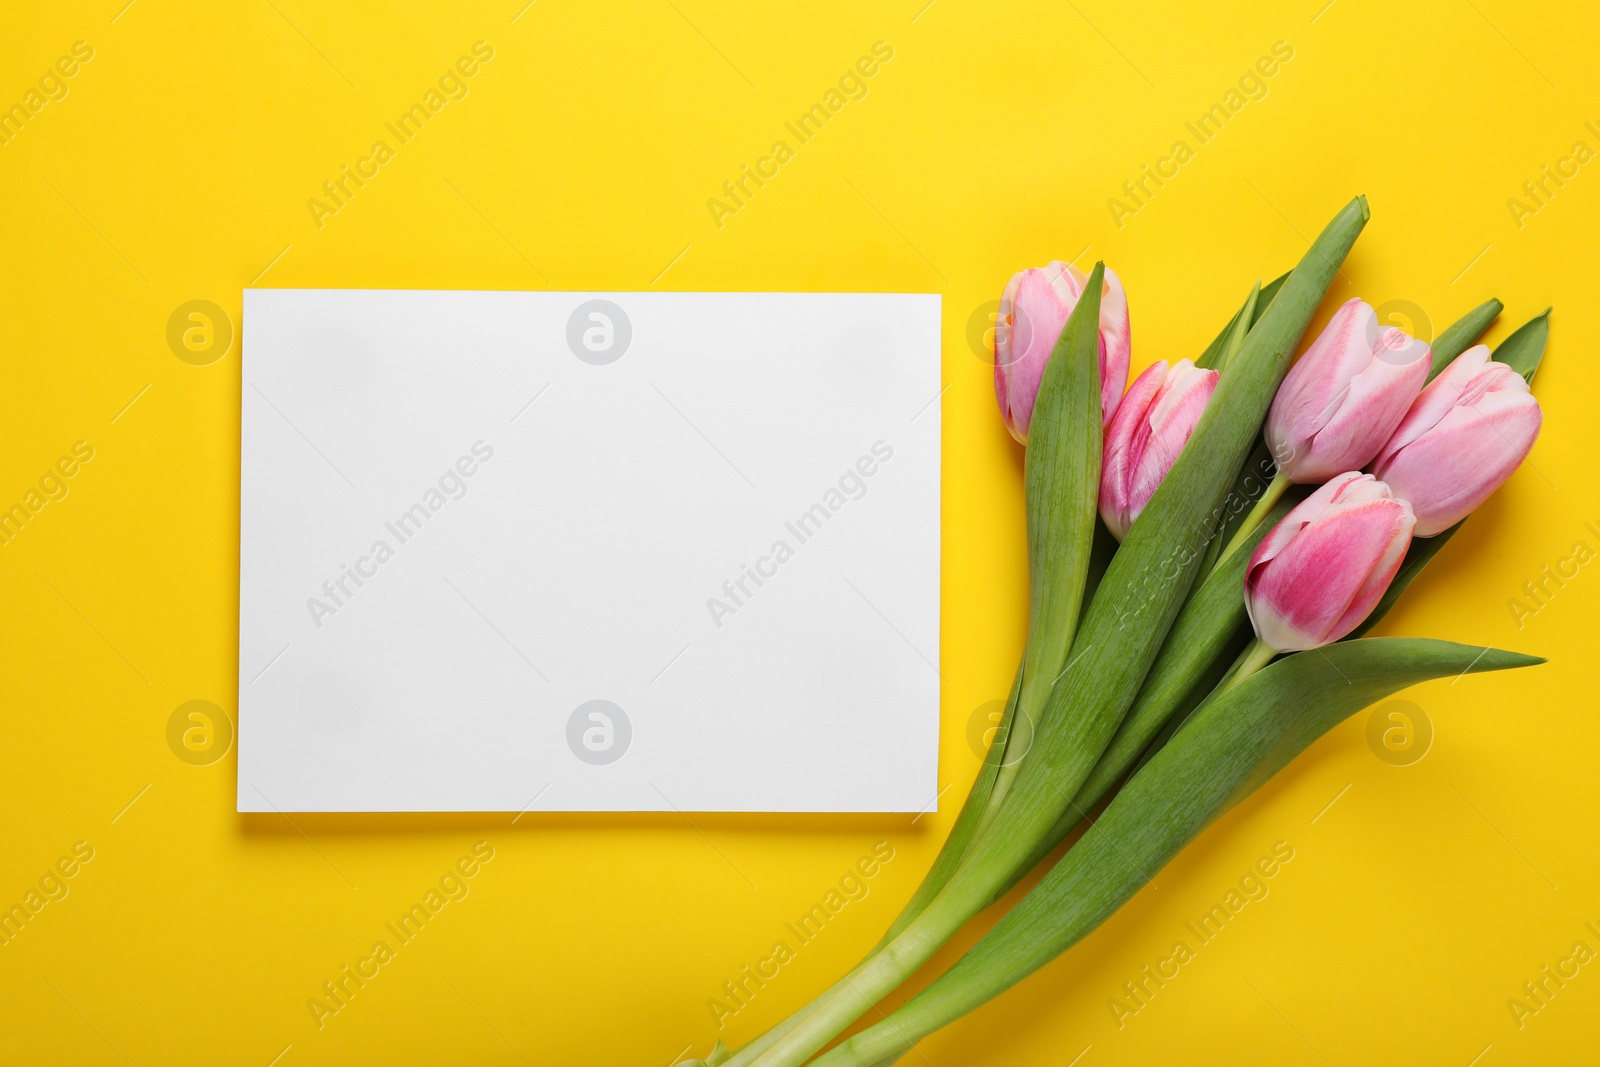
{"points": [[589, 551]]}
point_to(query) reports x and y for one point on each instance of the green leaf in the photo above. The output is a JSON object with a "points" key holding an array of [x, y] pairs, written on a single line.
{"points": [[1212, 356], [1523, 350], [1150, 577], [966, 824], [1140, 595], [1459, 337], [1214, 625], [1230, 748], [1062, 479], [1208, 623], [1253, 479], [1217, 352], [1269, 291], [1105, 546], [1208, 632], [1065, 544]]}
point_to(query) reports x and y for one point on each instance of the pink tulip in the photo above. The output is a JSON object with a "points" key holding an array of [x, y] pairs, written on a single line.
{"points": [[1033, 310], [1148, 431], [1322, 570], [1345, 396], [1471, 427]]}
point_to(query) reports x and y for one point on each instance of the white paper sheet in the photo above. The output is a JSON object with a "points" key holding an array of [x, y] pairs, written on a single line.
{"points": [[511, 551]]}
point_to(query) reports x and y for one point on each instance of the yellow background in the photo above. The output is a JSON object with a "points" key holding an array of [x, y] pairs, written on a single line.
{"points": [[178, 168]]}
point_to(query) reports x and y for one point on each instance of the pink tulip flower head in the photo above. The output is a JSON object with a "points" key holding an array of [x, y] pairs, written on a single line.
{"points": [[1150, 428], [1322, 570], [1345, 396], [1033, 311], [1472, 426]]}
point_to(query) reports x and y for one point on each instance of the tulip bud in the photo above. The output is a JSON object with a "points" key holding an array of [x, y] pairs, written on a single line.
{"points": [[1322, 570], [1148, 431], [1472, 426], [1345, 396], [1033, 311]]}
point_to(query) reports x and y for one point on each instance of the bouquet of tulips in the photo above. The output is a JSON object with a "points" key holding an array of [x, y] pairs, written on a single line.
{"points": [[1205, 553]]}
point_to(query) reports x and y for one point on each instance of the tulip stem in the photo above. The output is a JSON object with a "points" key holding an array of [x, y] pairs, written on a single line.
{"points": [[1255, 656], [1275, 489]]}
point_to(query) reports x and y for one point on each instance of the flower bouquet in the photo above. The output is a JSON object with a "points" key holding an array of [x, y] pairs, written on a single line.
{"points": [[1206, 552]]}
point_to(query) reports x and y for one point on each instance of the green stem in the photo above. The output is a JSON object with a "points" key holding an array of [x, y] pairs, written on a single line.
{"points": [[1233, 746], [1190, 665], [1140, 597], [1062, 479], [973, 816], [933, 915], [1255, 656], [1275, 489], [878, 975]]}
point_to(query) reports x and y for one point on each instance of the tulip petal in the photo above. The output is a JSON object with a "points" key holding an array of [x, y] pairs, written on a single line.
{"points": [[1033, 311], [1149, 430], [1463, 437], [1299, 518], [1372, 406], [1382, 572], [1116, 345], [1325, 580], [1346, 396], [1172, 418], [1464, 458], [1124, 444], [1316, 383], [1436, 400], [1318, 574]]}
